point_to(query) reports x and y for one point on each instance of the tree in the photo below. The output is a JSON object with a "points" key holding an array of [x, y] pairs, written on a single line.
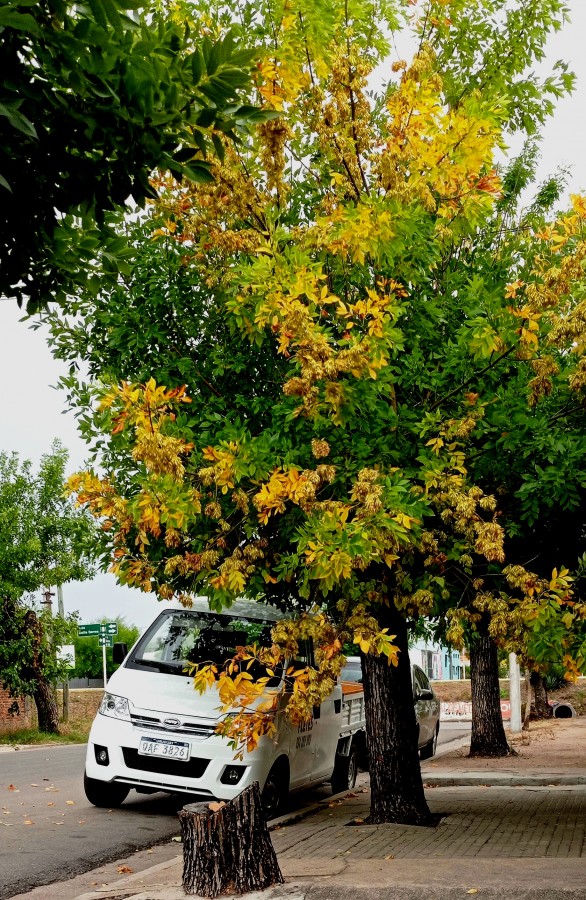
{"points": [[88, 653], [319, 347], [43, 542], [93, 99]]}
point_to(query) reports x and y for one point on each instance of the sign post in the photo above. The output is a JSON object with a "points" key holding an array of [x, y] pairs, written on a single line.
{"points": [[104, 631]]}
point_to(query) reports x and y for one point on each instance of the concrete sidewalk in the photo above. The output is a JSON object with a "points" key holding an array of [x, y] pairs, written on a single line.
{"points": [[523, 840]]}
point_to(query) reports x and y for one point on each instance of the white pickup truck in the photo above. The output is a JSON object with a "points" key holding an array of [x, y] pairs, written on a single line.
{"points": [[153, 732]]}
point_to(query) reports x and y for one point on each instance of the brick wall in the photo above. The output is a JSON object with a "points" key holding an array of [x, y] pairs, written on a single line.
{"points": [[15, 713]]}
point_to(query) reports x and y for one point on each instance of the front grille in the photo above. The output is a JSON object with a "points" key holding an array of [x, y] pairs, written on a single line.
{"points": [[193, 768], [193, 729]]}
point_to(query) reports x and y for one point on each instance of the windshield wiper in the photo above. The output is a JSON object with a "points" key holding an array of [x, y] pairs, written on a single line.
{"points": [[171, 668]]}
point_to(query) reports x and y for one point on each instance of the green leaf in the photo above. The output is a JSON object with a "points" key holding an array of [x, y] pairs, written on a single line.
{"points": [[197, 66], [199, 173], [219, 147], [18, 121]]}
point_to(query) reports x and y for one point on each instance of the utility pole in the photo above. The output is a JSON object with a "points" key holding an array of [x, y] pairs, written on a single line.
{"points": [[61, 610], [515, 693]]}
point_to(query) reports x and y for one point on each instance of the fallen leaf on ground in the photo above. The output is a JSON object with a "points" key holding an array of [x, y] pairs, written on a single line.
{"points": [[358, 821], [50, 803], [472, 891], [81, 822], [390, 856], [33, 784], [350, 794], [12, 788], [58, 823], [28, 822], [177, 838], [70, 802], [125, 870], [216, 806]]}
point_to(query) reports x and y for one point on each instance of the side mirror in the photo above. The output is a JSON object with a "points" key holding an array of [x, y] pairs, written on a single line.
{"points": [[425, 695], [119, 653]]}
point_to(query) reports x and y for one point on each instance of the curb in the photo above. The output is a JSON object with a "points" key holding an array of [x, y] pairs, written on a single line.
{"points": [[494, 779]]}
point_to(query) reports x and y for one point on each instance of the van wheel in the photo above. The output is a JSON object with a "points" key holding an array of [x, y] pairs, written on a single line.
{"points": [[275, 791], [345, 771], [105, 793], [428, 750]]}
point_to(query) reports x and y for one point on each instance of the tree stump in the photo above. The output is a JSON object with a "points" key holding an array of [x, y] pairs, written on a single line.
{"points": [[227, 848]]}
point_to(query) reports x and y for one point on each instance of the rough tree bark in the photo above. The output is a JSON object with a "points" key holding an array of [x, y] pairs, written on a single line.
{"points": [[542, 709], [47, 712], [227, 848], [488, 733], [391, 728]]}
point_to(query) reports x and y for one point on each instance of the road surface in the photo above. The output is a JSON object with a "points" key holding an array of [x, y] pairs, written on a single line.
{"points": [[49, 832]]}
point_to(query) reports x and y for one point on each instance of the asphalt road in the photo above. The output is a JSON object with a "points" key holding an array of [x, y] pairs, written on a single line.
{"points": [[49, 832]]}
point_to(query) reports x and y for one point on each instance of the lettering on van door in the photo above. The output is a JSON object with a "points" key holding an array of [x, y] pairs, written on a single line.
{"points": [[304, 734]]}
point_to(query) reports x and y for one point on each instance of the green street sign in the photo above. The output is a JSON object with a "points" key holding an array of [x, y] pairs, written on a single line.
{"points": [[88, 630], [97, 628], [106, 640]]}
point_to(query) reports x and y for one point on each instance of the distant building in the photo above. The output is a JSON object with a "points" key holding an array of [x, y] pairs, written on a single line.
{"points": [[438, 662]]}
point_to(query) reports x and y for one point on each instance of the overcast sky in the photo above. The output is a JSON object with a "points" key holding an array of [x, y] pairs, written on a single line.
{"points": [[31, 410]]}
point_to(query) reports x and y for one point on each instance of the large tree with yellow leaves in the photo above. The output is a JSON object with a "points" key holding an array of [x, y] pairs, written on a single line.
{"points": [[309, 345]]}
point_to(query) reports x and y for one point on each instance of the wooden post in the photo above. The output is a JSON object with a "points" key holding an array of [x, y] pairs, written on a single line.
{"points": [[227, 847]]}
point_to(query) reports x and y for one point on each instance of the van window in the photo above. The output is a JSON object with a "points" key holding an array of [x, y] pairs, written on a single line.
{"points": [[179, 637]]}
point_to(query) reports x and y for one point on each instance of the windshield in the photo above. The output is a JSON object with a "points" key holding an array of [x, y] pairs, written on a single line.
{"points": [[352, 671], [180, 637]]}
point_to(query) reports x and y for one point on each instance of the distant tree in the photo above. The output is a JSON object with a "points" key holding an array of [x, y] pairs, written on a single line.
{"points": [[93, 98], [44, 540], [88, 653]]}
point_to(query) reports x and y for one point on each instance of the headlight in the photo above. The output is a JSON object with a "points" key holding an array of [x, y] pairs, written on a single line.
{"points": [[116, 707]]}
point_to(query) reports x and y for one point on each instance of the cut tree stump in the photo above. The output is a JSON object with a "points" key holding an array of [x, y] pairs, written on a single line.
{"points": [[227, 847]]}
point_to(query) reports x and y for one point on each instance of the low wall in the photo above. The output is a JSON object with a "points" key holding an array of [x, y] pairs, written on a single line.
{"points": [[83, 703], [15, 713]]}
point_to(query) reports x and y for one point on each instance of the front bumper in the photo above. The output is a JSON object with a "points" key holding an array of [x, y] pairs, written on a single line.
{"points": [[200, 776]]}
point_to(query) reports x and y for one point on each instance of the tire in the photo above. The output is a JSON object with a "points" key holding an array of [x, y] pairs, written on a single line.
{"points": [[345, 771], [428, 750], [275, 790], [105, 793]]}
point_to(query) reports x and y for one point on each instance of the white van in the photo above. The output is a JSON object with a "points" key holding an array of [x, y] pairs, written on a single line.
{"points": [[154, 732]]}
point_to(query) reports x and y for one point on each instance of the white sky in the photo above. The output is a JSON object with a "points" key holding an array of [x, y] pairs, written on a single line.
{"points": [[31, 410]]}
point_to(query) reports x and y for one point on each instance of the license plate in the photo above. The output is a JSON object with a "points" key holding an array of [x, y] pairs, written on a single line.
{"points": [[160, 747]]}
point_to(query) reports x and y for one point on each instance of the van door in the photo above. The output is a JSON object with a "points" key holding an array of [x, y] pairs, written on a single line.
{"points": [[301, 746], [328, 719]]}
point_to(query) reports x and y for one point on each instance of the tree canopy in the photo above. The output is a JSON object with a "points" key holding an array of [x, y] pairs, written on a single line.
{"points": [[44, 542], [93, 98], [309, 361]]}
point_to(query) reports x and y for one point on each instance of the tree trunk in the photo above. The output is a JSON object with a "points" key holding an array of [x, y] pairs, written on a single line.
{"points": [[47, 711], [542, 707], [391, 728], [488, 734], [227, 847]]}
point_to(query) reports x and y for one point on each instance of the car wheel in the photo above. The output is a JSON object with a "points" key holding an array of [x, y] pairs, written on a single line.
{"points": [[275, 791], [105, 793], [345, 771], [428, 750]]}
